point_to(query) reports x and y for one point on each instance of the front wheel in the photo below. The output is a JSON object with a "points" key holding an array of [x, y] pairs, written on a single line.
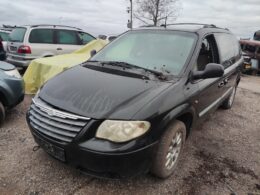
{"points": [[169, 150], [228, 103]]}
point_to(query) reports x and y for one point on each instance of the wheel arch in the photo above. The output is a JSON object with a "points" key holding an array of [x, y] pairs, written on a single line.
{"points": [[184, 113], [187, 118], [3, 98]]}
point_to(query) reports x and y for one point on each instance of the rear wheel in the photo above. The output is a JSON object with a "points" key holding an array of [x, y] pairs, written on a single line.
{"points": [[228, 103], [2, 113], [169, 150]]}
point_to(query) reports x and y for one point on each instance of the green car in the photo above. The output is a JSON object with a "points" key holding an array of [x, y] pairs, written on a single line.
{"points": [[11, 88]]}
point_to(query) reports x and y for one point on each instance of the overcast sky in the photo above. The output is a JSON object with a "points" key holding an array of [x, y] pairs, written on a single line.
{"points": [[110, 16]]}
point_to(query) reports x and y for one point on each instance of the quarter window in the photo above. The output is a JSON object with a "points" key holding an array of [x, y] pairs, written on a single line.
{"points": [[41, 36], [67, 37], [85, 38]]}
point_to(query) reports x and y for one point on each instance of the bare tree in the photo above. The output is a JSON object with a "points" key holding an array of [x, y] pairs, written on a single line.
{"points": [[156, 12]]}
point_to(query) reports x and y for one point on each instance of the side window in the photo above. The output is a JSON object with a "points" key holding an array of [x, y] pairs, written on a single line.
{"points": [[85, 38], [67, 37], [41, 36], [208, 53], [229, 49]]}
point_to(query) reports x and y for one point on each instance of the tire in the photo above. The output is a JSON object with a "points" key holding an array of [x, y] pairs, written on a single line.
{"points": [[2, 114], [164, 163], [228, 103]]}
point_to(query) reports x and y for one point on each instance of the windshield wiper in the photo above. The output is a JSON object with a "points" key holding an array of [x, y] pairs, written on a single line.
{"points": [[130, 66]]}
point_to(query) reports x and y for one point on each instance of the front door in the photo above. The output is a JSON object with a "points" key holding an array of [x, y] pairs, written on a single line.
{"points": [[210, 90]]}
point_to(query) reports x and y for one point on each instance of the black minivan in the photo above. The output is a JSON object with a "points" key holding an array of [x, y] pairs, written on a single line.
{"points": [[129, 109]]}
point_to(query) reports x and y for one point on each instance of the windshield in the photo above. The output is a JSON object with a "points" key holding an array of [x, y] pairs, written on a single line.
{"points": [[150, 49], [4, 36], [17, 35]]}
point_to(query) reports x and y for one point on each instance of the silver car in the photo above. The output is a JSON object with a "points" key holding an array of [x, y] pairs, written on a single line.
{"points": [[4, 34], [30, 42]]}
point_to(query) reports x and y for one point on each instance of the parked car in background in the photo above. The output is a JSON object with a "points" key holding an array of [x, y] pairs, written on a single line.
{"points": [[42, 69], [11, 88], [257, 36], [30, 42], [251, 53], [108, 38], [4, 34], [129, 109], [2, 51]]}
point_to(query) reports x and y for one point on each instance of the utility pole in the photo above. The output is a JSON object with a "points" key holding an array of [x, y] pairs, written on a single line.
{"points": [[130, 10], [131, 7]]}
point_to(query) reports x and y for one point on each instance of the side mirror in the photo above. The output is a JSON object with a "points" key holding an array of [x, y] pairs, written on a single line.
{"points": [[93, 52], [212, 70]]}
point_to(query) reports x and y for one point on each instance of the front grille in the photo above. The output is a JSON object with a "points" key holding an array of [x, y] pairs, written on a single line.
{"points": [[55, 124]]}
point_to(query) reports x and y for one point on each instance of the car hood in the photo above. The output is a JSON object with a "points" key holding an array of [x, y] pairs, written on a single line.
{"points": [[100, 95], [6, 66]]}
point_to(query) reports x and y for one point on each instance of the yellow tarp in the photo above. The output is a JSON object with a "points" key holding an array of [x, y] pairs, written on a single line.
{"points": [[42, 69]]}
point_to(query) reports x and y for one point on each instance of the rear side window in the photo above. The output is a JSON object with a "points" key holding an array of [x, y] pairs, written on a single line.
{"points": [[229, 48], [17, 34], [67, 37], [41, 36], [4, 36], [85, 38]]}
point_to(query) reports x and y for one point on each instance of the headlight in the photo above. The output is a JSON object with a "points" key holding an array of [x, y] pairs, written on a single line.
{"points": [[13, 73], [122, 131]]}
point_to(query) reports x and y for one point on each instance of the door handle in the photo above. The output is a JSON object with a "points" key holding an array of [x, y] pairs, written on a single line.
{"points": [[59, 49], [221, 84], [226, 80]]}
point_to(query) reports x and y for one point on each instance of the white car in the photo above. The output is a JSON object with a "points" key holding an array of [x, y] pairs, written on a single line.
{"points": [[4, 34], [27, 43]]}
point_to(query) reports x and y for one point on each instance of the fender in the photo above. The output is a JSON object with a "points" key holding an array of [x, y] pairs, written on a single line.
{"points": [[174, 114]]}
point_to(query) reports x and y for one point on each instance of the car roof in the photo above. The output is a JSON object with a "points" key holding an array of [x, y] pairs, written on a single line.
{"points": [[188, 27], [50, 26]]}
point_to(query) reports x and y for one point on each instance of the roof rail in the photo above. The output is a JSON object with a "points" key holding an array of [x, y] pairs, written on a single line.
{"points": [[149, 25], [54, 25], [203, 25]]}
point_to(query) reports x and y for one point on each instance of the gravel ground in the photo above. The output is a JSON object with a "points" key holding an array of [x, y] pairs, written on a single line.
{"points": [[221, 156]]}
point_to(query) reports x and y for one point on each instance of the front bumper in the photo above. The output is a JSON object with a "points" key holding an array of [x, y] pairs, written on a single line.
{"points": [[13, 91], [122, 163]]}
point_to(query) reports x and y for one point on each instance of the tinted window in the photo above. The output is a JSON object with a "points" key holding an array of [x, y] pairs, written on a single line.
{"points": [[4, 36], [85, 38], [41, 36], [151, 49], [67, 37], [17, 34], [229, 48]]}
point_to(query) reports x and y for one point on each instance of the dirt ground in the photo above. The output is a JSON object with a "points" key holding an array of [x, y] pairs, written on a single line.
{"points": [[221, 157]]}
